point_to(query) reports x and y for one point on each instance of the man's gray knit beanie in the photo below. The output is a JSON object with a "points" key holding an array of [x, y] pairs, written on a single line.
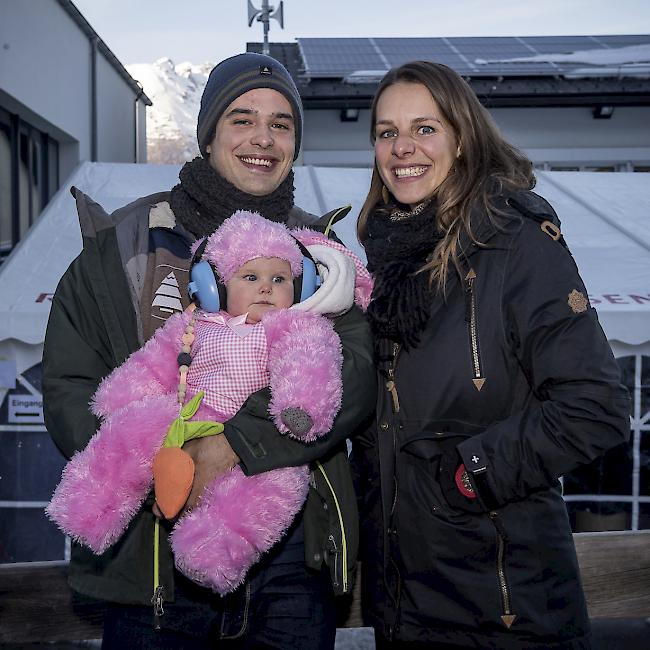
{"points": [[234, 77]]}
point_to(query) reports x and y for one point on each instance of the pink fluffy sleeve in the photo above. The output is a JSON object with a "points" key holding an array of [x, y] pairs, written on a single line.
{"points": [[304, 363], [152, 370]]}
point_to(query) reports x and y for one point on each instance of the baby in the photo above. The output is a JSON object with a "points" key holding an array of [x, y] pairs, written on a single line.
{"points": [[205, 363]]}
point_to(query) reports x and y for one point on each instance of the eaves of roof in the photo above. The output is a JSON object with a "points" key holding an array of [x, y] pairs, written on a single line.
{"points": [[93, 36], [495, 93]]}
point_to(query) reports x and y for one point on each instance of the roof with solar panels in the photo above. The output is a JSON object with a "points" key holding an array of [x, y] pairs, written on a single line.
{"points": [[503, 71]]}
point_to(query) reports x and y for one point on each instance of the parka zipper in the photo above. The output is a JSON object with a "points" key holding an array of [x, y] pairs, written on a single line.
{"points": [[390, 382], [157, 598], [336, 560], [344, 544], [392, 389], [508, 617], [472, 326]]}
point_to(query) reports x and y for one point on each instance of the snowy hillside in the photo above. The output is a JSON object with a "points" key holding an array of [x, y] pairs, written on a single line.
{"points": [[175, 91]]}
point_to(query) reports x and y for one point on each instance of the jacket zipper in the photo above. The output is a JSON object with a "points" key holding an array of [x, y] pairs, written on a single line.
{"points": [[470, 318], [392, 389], [508, 617], [390, 383], [344, 544], [157, 598], [336, 560]]}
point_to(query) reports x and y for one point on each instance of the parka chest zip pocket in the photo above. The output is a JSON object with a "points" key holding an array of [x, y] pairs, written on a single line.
{"points": [[508, 617], [472, 326]]}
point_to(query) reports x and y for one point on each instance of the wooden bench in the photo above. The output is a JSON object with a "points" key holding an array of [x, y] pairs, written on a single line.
{"points": [[37, 605]]}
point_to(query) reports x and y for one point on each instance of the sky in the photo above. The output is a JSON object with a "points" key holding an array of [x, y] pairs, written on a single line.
{"points": [[210, 30]]}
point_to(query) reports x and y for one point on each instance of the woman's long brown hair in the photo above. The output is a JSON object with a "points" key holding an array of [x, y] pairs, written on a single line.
{"points": [[486, 166]]}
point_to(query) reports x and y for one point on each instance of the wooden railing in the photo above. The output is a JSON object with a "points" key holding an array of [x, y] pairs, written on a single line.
{"points": [[37, 605]]}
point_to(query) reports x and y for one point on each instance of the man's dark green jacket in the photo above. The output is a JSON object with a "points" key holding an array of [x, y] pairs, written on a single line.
{"points": [[94, 326]]}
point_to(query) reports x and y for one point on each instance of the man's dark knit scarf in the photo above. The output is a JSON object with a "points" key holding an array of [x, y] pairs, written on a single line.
{"points": [[396, 249], [203, 199]]}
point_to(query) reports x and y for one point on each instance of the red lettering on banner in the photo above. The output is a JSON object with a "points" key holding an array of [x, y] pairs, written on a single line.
{"points": [[619, 298], [42, 297], [614, 298]]}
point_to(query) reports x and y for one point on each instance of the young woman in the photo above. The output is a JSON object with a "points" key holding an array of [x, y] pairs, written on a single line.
{"points": [[497, 380]]}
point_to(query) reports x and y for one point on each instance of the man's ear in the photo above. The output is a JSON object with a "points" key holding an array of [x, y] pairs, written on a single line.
{"points": [[208, 149]]}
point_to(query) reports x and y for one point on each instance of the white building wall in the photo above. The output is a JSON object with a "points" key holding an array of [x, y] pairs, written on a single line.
{"points": [[572, 136], [141, 129], [116, 137], [554, 136], [45, 67], [328, 141], [45, 77]]}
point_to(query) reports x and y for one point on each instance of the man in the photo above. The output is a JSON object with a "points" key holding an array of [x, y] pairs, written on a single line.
{"points": [[130, 276]]}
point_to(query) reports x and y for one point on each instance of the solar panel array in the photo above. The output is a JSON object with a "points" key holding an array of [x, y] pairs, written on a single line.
{"points": [[469, 56]]}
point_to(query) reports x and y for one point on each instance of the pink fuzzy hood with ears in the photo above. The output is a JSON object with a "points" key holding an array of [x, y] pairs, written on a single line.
{"points": [[247, 236]]}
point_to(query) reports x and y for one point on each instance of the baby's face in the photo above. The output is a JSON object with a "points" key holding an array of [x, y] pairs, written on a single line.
{"points": [[261, 285]]}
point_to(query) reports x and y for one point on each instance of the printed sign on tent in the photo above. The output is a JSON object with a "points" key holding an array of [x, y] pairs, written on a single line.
{"points": [[25, 409]]}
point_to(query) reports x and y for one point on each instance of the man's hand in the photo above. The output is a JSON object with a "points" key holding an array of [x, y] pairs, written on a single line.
{"points": [[212, 457]]}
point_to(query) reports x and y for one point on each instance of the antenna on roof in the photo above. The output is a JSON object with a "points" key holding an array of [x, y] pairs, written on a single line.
{"points": [[264, 16]]}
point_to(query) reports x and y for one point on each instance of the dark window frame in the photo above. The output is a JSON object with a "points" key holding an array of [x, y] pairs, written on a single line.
{"points": [[47, 173]]}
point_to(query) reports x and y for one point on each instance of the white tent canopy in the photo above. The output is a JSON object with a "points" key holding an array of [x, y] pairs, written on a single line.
{"points": [[605, 220]]}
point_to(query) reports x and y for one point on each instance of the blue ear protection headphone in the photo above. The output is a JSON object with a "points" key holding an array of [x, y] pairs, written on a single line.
{"points": [[209, 293]]}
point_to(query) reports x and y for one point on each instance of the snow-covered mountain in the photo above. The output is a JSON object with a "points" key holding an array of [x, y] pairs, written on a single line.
{"points": [[175, 91]]}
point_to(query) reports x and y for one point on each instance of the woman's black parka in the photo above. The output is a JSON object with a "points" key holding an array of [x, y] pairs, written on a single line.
{"points": [[513, 377]]}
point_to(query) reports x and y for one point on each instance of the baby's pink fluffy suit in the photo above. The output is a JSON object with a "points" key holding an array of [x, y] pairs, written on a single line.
{"points": [[238, 517], [104, 485], [305, 362]]}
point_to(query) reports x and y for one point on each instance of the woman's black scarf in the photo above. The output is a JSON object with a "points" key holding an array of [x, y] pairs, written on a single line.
{"points": [[203, 199], [397, 247]]}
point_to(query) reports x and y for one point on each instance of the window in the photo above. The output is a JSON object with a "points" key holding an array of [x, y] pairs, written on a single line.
{"points": [[29, 176], [599, 168], [6, 238]]}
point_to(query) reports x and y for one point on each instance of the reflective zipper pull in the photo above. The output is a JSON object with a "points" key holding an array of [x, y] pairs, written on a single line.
{"points": [[157, 602], [390, 385], [335, 581]]}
